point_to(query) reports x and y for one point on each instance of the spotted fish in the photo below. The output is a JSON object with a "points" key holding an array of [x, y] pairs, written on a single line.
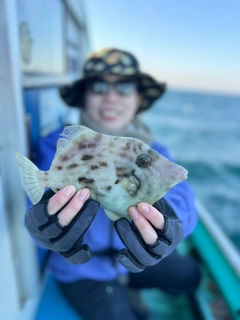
{"points": [[119, 172]]}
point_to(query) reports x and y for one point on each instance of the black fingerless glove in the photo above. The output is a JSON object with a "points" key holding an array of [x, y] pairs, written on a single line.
{"points": [[66, 241], [138, 254]]}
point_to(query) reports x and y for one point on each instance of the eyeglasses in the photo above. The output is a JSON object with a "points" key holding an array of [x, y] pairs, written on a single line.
{"points": [[102, 87]]}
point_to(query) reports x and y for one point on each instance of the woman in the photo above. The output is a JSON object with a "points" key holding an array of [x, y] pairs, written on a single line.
{"points": [[90, 254]]}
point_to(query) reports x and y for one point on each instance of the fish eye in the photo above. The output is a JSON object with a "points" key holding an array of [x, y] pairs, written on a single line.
{"points": [[143, 160]]}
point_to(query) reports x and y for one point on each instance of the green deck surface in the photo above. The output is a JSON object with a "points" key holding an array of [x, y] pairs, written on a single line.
{"points": [[221, 272], [165, 307]]}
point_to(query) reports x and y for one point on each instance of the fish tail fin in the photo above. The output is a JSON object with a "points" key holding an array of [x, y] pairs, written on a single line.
{"points": [[29, 178]]}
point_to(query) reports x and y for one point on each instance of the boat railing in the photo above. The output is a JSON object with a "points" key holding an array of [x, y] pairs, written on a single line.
{"points": [[226, 246], [220, 256]]}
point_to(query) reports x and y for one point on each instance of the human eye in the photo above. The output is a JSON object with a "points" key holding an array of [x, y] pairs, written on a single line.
{"points": [[125, 88], [99, 87]]}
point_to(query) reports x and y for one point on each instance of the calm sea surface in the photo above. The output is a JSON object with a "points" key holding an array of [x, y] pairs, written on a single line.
{"points": [[202, 132]]}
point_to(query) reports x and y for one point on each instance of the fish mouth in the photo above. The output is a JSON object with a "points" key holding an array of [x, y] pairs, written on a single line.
{"points": [[133, 184], [184, 176], [134, 180]]}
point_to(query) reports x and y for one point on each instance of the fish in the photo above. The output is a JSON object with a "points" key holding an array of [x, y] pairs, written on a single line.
{"points": [[120, 172]]}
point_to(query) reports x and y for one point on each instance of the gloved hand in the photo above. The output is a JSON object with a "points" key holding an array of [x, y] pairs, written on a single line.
{"points": [[138, 254], [66, 240]]}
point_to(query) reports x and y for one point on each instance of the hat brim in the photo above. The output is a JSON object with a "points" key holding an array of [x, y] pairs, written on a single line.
{"points": [[150, 89]]}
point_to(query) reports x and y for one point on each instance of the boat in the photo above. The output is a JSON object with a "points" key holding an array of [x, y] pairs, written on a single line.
{"points": [[218, 295], [29, 89], [221, 262]]}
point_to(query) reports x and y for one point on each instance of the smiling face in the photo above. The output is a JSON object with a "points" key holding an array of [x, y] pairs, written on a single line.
{"points": [[112, 106]]}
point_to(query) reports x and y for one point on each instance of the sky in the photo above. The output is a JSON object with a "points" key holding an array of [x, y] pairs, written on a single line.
{"points": [[190, 44]]}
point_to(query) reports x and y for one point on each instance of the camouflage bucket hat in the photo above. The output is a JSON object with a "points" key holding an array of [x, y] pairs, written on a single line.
{"points": [[114, 62]]}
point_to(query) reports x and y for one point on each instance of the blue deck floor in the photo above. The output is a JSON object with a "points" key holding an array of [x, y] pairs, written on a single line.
{"points": [[53, 305]]}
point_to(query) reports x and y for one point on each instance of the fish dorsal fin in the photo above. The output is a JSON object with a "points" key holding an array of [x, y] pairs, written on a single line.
{"points": [[70, 133]]}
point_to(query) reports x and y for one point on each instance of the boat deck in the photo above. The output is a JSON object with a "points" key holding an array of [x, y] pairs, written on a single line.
{"points": [[54, 306], [206, 304]]}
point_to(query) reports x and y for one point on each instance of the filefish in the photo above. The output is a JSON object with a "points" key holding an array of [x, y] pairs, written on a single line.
{"points": [[119, 171]]}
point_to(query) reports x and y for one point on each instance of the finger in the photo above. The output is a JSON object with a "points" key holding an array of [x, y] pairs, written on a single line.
{"points": [[129, 262], [134, 245], [147, 232], [78, 255], [57, 201], [74, 206], [76, 229], [152, 214]]}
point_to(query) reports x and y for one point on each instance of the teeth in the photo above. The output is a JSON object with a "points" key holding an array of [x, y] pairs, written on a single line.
{"points": [[134, 181], [132, 189], [109, 113]]}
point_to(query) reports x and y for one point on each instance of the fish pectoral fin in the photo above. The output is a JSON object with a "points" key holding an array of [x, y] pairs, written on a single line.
{"points": [[113, 216]]}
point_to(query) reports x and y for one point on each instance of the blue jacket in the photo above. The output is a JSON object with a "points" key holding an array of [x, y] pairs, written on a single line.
{"points": [[101, 235]]}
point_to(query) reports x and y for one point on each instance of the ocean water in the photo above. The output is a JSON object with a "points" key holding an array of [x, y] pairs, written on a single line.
{"points": [[202, 132]]}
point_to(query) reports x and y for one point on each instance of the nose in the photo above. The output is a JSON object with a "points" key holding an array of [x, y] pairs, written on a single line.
{"points": [[111, 95]]}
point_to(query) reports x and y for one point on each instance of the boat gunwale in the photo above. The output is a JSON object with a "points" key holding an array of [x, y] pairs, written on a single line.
{"points": [[226, 246]]}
